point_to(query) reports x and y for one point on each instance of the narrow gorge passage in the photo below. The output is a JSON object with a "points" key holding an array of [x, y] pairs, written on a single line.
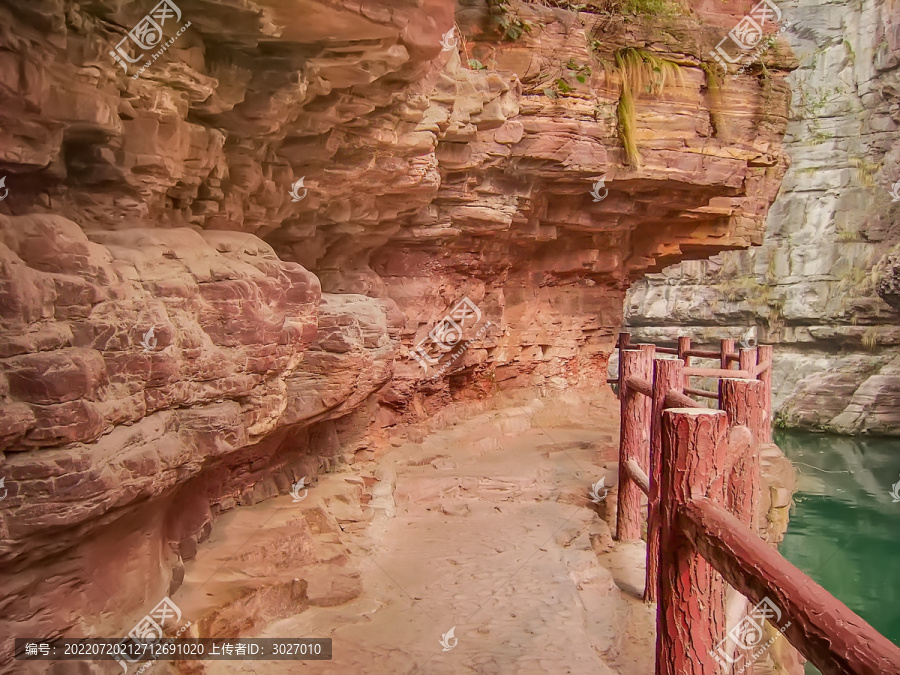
{"points": [[485, 527], [309, 308]]}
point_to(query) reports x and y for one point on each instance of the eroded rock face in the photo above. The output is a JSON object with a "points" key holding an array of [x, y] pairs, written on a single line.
{"points": [[889, 280], [181, 335], [823, 287]]}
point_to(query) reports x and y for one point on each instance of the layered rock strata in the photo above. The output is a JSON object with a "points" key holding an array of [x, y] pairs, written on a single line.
{"points": [[217, 261]]}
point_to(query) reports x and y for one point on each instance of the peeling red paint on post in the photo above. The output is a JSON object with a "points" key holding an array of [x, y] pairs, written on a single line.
{"points": [[690, 618], [668, 375], [634, 441]]}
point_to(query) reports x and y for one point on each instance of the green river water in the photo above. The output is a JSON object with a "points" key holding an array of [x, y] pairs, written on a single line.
{"points": [[843, 530]]}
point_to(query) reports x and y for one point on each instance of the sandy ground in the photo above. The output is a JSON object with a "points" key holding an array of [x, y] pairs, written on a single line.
{"points": [[484, 528]]}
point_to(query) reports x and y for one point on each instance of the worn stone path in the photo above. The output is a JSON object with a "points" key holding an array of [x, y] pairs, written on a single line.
{"points": [[485, 528]]}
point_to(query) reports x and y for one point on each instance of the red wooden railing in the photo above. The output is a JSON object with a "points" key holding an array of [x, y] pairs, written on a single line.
{"points": [[699, 468]]}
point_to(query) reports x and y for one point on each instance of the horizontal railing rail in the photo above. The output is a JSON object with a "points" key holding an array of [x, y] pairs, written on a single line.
{"points": [[637, 474]]}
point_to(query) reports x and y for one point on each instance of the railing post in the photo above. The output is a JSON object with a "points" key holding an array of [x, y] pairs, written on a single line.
{"points": [[747, 358], [743, 403], [623, 343], [668, 375], [690, 617], [634, 441], [684, 346], [764, 353], [725, 349]]}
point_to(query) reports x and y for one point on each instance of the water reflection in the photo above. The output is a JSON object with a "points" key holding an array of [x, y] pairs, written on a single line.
{"points": [[843, 528]]}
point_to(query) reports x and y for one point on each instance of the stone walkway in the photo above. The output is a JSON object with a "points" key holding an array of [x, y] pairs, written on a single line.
{"points": [[484, 528]]}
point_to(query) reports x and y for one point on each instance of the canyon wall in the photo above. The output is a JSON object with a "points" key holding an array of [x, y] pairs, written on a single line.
{"points": [[824, 286], [218, 261]]}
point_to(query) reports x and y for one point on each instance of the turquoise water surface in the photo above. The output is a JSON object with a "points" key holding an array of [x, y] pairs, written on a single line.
{"points": [[844, 530]]}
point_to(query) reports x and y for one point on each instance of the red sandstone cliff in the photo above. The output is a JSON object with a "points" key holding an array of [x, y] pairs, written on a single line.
{"points": [[284, 330]]}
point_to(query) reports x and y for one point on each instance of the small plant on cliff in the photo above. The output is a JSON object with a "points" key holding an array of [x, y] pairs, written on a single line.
{"points": [[747, 287], [866, 171], [649, 7], [639, 70], [850, 53], [617, 7], [508, 22], [870, 338], [714, 88], [781, 420], [579, 72], [626, 117], [848, 235]]}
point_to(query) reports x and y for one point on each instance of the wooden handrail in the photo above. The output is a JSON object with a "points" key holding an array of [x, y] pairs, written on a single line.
{"points": [[748, 369], [826, 631], [639, 384], [638, 476], [676, 399], [697, 353], [719, 372], [761, 367], [703, 353], [708, 354], [703, 491]]}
